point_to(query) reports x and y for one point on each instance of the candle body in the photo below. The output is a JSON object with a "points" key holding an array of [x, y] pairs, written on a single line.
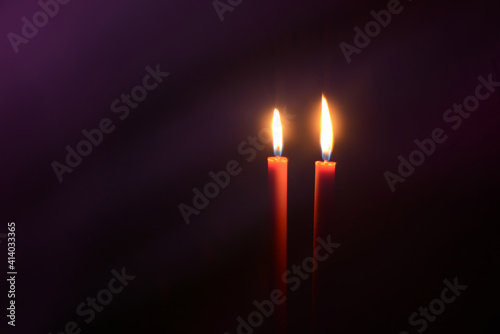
{"points": [[278, 175], [324, 182]]}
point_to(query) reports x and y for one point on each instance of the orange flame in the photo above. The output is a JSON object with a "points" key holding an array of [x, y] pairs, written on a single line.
{"points": [[277, 134], [326, 131]]}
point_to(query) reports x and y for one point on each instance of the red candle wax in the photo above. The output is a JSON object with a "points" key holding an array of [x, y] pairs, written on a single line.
{"points": [[323, 208], [278, 173], [324, 181]]}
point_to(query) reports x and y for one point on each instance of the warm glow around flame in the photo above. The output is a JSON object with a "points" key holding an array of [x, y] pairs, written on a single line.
{"points": [[277, 134], [326, 131]]}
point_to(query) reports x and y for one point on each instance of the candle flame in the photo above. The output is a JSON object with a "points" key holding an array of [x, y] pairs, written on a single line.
{"points": [[277, 134], [326, 130]]}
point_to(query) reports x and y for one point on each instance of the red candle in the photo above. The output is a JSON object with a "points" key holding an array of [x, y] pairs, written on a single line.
{"points": [[278, 173], [323, 186]]}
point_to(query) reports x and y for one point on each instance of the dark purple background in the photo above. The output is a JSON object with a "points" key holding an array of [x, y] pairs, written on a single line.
{"points": [[119, 208]]}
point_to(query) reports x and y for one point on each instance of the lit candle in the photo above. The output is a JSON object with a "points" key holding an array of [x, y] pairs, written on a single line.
{"points": [[277, 173], [323, 184]]}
